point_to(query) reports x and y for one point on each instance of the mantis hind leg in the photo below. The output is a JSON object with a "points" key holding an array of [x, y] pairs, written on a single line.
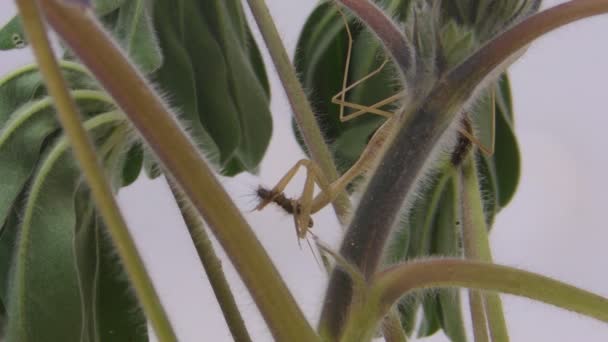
{"points": [[487, 150], [340, 98]]}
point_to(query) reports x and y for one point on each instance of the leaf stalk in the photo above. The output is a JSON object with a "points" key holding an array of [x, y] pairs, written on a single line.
{"points": [[302, 111], [476, 246], [407, 157], [84, 152], [158, 126], [213, 267]]}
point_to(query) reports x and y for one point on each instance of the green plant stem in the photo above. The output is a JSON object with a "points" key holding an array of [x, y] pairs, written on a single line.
{"points": [[476, 245], [158, 126], [213, 268], [304, 116], [392, 329], [478, 316], [390, 285], [85, 155], [407, 156]]}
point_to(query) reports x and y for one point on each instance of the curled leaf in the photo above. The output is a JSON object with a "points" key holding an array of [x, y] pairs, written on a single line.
{"points": [[44, 276]]}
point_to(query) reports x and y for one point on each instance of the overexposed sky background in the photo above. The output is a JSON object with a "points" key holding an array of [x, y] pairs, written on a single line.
{"points": [[554, 226]]}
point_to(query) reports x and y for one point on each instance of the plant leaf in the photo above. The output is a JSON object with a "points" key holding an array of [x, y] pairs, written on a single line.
{"points": [[178, 76], [248, 94], [21, 139], [430, 321], [135, 31], [8, 238], [181, 24], [257, 62], [45, 276], [110, 310], [320, 60], [12, 35], [132, 164], [229, 115], [447, 243], [104, 7], [506, 158], [118, 313]]}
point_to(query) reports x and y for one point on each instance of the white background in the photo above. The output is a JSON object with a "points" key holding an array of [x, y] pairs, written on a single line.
{"points": [[554, 226]]}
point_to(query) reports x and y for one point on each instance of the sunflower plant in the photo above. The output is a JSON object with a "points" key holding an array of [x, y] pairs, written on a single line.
{"points": [[84, 121]]}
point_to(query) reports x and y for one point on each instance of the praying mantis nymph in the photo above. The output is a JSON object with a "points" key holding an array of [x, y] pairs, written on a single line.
{"points": [[308, 203]]}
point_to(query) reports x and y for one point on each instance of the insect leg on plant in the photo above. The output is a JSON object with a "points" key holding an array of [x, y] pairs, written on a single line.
{"points": [[467, 128], [308, 204]]}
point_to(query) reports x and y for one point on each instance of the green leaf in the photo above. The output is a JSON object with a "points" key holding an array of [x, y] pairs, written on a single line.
{"points": [[237, 20], [8, 243], [111, 312], [415, 240], [407, 307], [447, 243], [489, 187], [22, 137], [180, 23], [12, 35], [320, 60], [86, 252], [119, 316], [506, 158], [17, 88], [257, 62], [135, 31], [430, 321], [224, 101], [104, 7], [500, 172], [177, 75], [248, 94], [132, 164], [367, 56], [45, 276]]}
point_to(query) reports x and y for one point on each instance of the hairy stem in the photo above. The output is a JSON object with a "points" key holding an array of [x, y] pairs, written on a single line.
{"points": [[390, 285], [84, 152], [213, 267], [398, 280], [478, 316], [408, 155], [391, 36], [476, 246], [392, 329], [158, 126], [303, 114]]}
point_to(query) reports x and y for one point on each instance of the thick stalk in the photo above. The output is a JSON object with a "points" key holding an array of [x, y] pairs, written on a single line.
{"points": [[158, 126], [390, 285], [84, 152], [406, 158], [398, 280], [476, 246], [302, 111], [213, 267]]}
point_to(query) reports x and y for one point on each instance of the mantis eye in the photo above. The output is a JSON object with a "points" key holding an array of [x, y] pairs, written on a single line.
{"points": [[17, 41]]}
